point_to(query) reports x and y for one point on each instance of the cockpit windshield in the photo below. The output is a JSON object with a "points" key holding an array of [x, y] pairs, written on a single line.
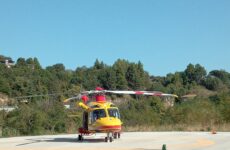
{"points": [[113, 112], [98, 113]]}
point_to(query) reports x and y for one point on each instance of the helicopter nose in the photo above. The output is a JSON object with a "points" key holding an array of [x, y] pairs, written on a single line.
{"points": [[109, 123]]}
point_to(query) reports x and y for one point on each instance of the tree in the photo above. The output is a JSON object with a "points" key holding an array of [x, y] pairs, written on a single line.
{"points": [[27, 120], [213, 83], [222, 75], [120, 68], [133, 77], [21, 62], [195, 73], [56, 68], [98, 65], [56, 118], [107, 78], [4, 85], [200, 73], [33, 63]]}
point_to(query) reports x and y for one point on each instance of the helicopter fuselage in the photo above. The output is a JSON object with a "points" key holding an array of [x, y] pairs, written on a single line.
{"points": [[101, 117]]}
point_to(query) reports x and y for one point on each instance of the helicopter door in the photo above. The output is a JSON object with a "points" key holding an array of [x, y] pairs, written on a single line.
{"points": [[85, 120]]}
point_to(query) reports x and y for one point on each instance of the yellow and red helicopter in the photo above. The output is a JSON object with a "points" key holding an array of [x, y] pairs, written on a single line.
{"points": [[101, 116]]}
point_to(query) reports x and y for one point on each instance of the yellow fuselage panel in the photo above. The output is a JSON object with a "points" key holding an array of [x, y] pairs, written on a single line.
{"points": [[107, 123]]}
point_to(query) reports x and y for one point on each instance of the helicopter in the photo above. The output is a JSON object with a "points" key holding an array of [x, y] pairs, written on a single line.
{"points": [[101, 116]]}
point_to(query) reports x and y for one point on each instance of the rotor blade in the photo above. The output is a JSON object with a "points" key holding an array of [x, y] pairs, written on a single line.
{"points": [[84, 93], [92, 92], [151, 93], [73, 98], [121, 92], [135, 92], [170, 95], [39, 95]]}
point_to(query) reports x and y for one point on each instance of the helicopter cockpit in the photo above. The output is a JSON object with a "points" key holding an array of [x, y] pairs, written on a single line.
{"points": [[113, 112], [98, 114], [102, 113]]}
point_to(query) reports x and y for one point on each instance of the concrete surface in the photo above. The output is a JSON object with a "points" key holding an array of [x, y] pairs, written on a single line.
{"points": [[128, 141]]}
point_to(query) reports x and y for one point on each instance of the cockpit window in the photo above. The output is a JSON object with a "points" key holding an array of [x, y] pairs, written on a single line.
{"points": [[98, 113], [113, 112]]}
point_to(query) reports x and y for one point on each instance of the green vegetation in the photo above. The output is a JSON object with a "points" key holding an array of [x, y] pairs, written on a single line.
{"points": [[47, 115]]}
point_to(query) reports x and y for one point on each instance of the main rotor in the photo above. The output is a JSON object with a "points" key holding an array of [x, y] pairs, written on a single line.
{"points": [[99, 94]]}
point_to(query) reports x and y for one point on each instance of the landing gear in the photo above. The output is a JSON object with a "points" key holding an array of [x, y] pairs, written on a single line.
{"points": [[116, 135], [109, 137], [83, 132], [106, 139], [80, 137]]}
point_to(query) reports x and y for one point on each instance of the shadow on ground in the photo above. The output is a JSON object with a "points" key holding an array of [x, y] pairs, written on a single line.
{"points": [[68, 140]]}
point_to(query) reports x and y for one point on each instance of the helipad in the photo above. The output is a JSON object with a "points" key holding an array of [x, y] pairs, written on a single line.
{"points": [[128, 141]]}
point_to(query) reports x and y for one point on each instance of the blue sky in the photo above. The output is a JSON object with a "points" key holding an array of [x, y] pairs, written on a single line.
{"points": [[164, 35]]}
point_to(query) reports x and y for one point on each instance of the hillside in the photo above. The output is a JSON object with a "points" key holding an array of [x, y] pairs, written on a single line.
{"points": [[46, 115]]}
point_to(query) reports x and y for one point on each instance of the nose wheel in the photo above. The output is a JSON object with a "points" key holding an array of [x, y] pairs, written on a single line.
{"points": [[109, 137]]}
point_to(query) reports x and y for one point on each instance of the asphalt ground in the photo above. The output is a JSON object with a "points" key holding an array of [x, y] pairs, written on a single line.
{"points": [[128, 141]]}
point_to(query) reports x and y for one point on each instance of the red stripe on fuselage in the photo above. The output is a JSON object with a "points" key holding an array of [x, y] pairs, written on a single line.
{"points": [[116, 127]]}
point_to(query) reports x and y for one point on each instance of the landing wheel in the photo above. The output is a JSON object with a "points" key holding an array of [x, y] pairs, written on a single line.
{"points": [[119, 135], [109, 137], [115, 135], [106, 139], [80, 138]]}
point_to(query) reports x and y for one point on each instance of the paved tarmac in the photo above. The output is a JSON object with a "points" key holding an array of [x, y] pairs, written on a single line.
{"points": [[128, 141]]}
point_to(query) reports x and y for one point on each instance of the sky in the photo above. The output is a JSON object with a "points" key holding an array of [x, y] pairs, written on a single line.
{"points": [[165, 35]]}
